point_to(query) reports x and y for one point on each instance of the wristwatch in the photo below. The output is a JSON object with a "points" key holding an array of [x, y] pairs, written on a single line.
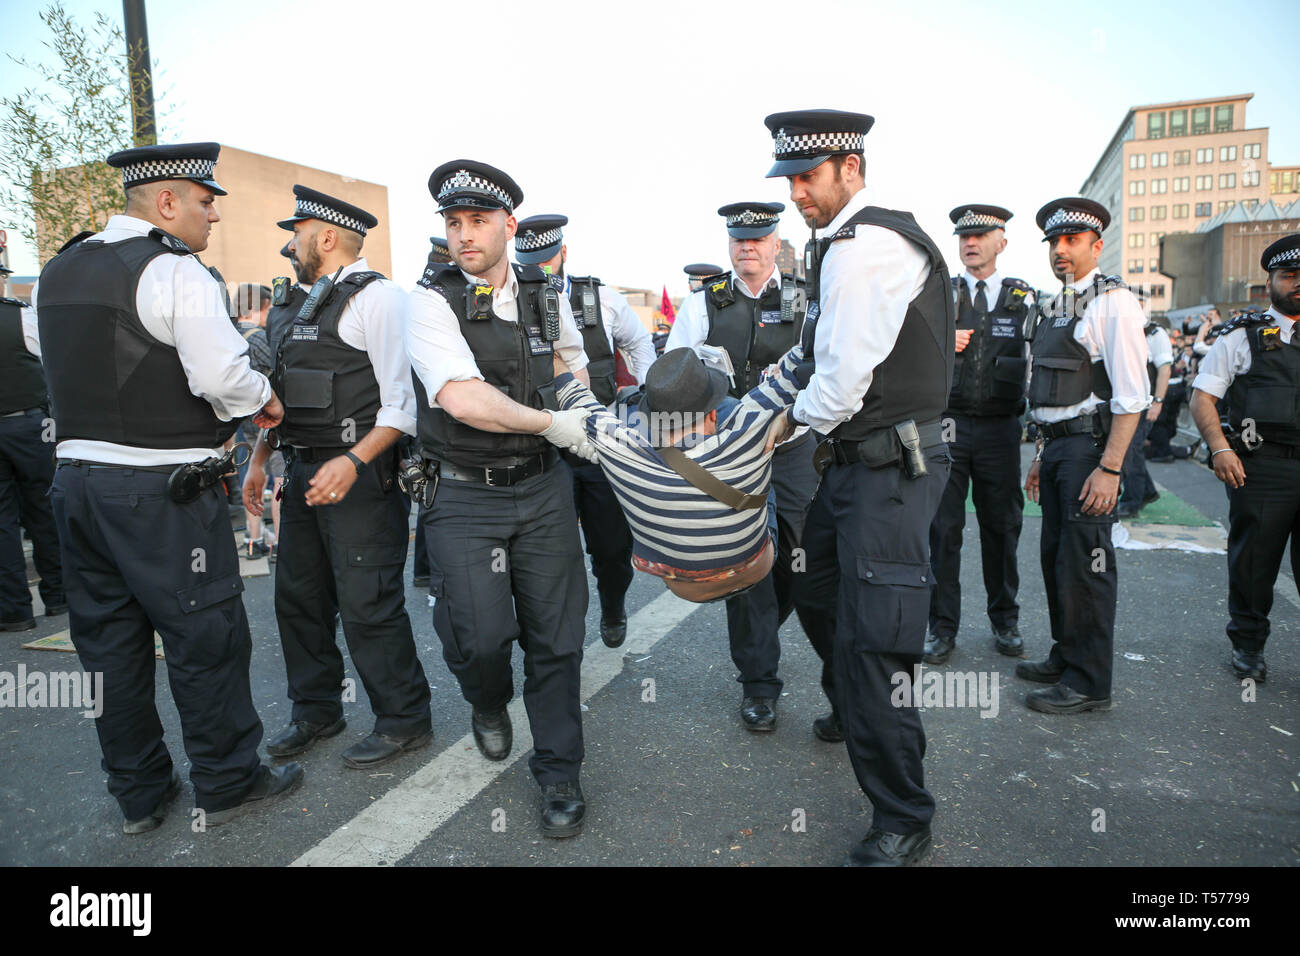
{"points": [[356, 462]]}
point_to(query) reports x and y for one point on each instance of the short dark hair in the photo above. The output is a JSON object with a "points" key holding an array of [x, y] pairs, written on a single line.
{"points": [[838, 159]]}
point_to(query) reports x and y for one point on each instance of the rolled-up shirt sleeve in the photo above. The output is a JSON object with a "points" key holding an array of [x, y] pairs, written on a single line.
{"points": [[437, 351], [1229, 356], [383, 319], [1162, 353], [1123, 346], [691, 327]]}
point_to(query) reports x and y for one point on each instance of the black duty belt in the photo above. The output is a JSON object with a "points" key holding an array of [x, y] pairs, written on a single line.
{"points": [[1272, 449], [22, 411], [154, 469], [1079, 425], [879, 448], [501, 475], [312, 456]]}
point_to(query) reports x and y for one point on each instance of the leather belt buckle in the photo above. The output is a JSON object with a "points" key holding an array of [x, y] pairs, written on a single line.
{"points": [[487, 477]]}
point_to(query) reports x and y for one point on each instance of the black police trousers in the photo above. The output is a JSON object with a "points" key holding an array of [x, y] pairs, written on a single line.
{"points": [[1079, 572], [135, 561], [1137, 485], [867, 542], [1263, 515], [345, 561], [985, 458], [26, 470], [504, 566], [755, 617], [604, 531]]}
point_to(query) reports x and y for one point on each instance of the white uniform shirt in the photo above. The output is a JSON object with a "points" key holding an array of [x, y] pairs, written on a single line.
{"points": [[181, 305], [1229, 356], [1111, 329], [866, 285], [691, 327], [439, 353], [623, 330], [1158, 348], [31, 330]]}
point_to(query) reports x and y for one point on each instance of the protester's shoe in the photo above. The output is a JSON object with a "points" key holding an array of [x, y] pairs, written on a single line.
{"points": [[938, 649], [1060, 699], [1044, 672], [1008, 642], [159, 813], [273, 783], [56, 609], [380, 748], [613, 625], [493, 733], [758, 713], [563, 808], [253, 550], [1249, 664], [420, 581], [22, 624], [828, 728], [879, 848], [301, 735]]}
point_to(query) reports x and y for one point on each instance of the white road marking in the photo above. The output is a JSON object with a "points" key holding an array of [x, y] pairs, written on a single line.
{"points": [[403, 818]]}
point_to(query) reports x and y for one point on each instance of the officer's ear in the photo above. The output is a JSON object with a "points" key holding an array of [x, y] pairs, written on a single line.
{"points": [[329, 239], [512, 224], [1002, 244], [1096, 245]]}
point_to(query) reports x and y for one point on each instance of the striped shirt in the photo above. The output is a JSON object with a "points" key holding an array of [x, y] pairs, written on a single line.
{"points": [[672, 521]]}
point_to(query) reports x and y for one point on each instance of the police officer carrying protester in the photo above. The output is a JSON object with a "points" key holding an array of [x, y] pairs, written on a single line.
{"points": [[608, 326], [26, 470], [148, 378], [1255, 364], [756, 313], [1087, 388], [340, 363], [984, 407], [486, 338], [879, 340]]}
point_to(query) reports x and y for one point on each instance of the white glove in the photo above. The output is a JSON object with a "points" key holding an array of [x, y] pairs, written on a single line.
{"points": [[588, 451], [568, 429]]}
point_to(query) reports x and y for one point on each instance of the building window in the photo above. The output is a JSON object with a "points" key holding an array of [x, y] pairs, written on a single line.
{"points": [[1287, 185], [1182, 184], [1159, 186], [1204, 182], [1137, 161], [1205, 155], [1182, 157], [1156, 291], [1227, 154], [1137, 188], [1157, 212], [1250, 151], [1159, 159], [1180, 210], [1250, 203], [1200, 120], [1155, 239], [1136, 214], [1227, 180], [1178, 122], [1250, 179], [1223, 118], [1202, 209], [1136, 240], [1155, 265], [1155, 125], [1135, 265]]}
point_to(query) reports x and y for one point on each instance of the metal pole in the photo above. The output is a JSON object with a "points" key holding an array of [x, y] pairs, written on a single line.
{"points": [[137, 49]]}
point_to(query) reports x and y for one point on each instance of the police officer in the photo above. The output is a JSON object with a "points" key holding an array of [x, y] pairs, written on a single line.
{"points": [[755, 313], [697, 272], [147, 378], [439, 254], [879, 337], [1087, 389], [485, 340], [26, 470], [1137, 489], [340, 363], [987, 398], [1255, 364], [608, 326]]}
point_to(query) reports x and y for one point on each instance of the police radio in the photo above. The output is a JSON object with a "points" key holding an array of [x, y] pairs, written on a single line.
{"points": [[319, 293], [478, 302], [550, 309], [590, 316]]}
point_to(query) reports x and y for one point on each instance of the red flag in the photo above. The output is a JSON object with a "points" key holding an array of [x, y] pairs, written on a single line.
{"points": [[667, 308]]}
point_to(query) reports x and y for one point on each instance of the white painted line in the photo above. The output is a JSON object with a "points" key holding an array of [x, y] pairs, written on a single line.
{"points": [[403, 818]]}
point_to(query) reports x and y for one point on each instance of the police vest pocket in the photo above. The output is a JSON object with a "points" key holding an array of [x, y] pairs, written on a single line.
{"points": [[1271, 405], [1061, 362], [205, 595], [1009, 375], [309, 392], [893, 603], [376, 556]]}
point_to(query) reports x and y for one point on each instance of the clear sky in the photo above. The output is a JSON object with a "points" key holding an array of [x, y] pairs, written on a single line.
{"points": [[637, 120]]}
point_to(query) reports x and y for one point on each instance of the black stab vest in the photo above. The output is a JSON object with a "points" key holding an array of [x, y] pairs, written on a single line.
{"points": [[1269, 393], [329, 390], [1063, 371], [584, 299], [914, 379], [22, 380], [512, 356], [989, 374], [755, 332], [110, 380]]}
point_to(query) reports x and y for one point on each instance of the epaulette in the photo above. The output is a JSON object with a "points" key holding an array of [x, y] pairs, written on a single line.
{"points": [[434, 273], [74, 240], [1106, 284], [362, 279], [797, 280], [173, 244], [556, 281], [529, 273], [585, 279], [5, 300], [1150, 328], [1244, 321], [1011, 283]]}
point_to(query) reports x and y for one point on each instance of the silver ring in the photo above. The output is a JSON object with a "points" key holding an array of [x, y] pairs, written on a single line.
{"points": [[333, 494]]}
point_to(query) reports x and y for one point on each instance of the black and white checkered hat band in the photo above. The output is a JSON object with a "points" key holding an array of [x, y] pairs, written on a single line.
{"points": [[813, 144], [751, 217], [529, 241], [153, 170], [979, 220], [1072, 217], [465, 181], [315, 210], [1288, 257]]}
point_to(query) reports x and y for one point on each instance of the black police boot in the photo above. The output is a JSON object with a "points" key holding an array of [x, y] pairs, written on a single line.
{"points": [[1249, 664], [380, 748], [613, 623], [758, 713], [1009, 642], [272, 784], [56, 606], [301, 735], [493, 733], [563, 809], [1060, 699], [21, 624], [828, 728], [1044, 672], [938, 649], [159, 813], [879, 848]]}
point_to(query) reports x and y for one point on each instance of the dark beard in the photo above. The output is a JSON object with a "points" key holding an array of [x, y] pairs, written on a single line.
{"points": [[1288, 305], [306, 269]]}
